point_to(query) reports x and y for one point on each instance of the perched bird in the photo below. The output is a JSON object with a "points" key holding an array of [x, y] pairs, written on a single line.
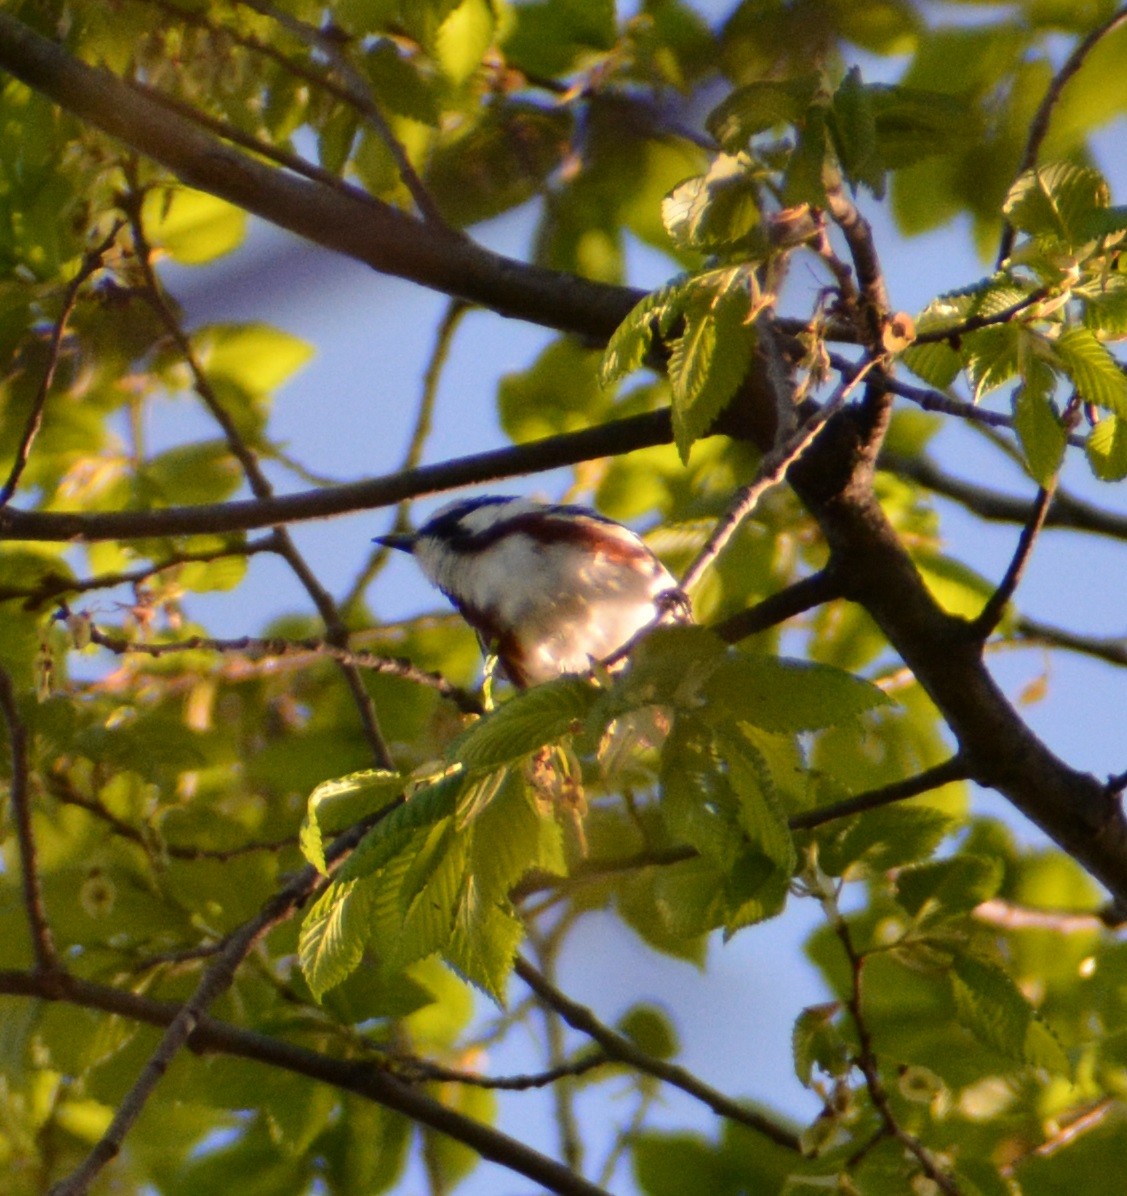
{"points": [[549, 589]]}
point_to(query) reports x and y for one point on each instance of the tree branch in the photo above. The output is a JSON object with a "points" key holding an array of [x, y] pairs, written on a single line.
{"points": [[617, 1046], [256, 649], [954, 769], [91, 264], [1064, 511], [1039, 127], [803, 595], [995, 607], [42, 940], [867, 1063], [345, 220], [567, 448], [355, 1076], [218, 977], [1112, 649]]}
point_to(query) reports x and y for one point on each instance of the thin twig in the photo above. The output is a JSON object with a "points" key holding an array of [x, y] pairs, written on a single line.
{"points": [[259, 484], [1089, 1119], [65, 793], [91, 263], [257, 649], [51, 585], [974, 323], [328, 42], [248, 141], [1111, 648], [42, 940], [991, 614], [803, 595], [617, 1046], [1065, 511], [415, 1070], [444, 338], [1008, 916], [866, 1060], [935, 400], [1039, 127], [954, 769], [772, 470]]}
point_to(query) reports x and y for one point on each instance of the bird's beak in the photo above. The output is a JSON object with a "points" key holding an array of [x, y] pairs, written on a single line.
{"points": [[404, 541]]}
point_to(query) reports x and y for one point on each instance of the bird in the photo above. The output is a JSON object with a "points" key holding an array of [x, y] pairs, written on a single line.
{"points": [[550, 589]]}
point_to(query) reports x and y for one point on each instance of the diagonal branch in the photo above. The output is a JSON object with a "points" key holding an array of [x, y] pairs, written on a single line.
{"points": [[91, 264], [772, 470], [218, 977], [259, 483], [1039, 127], [954, 769], [328, 42], [358, 1077], [991, 614], [1065, 510], [776, 608], [617, 1046], [42, 940]]}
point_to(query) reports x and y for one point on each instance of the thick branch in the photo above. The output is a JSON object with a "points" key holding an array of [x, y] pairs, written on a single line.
{"points": [[1000, 751], [349, 222], [569, 448]]}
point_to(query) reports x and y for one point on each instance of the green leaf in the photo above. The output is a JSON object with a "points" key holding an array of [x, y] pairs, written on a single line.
{"points": [[805, 180], [788, 695], [527, 721], [334, 805], [698, 804], [204, 472], [398, 84], [484, 941], [995, 1010], [709, 361], [936, 363], [191, 226], [714, 211], [1042, 435], [913, 123], [881, 839], [334, 934], [1098, 376], [854, 128], [255, 357], [631, 341], [559, 392], [760, 106], [463, 38], [551, 37], [816, 1041], [650, 1029], [1106, 449], [951, 886], [1057, 201], [422, 810]]}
